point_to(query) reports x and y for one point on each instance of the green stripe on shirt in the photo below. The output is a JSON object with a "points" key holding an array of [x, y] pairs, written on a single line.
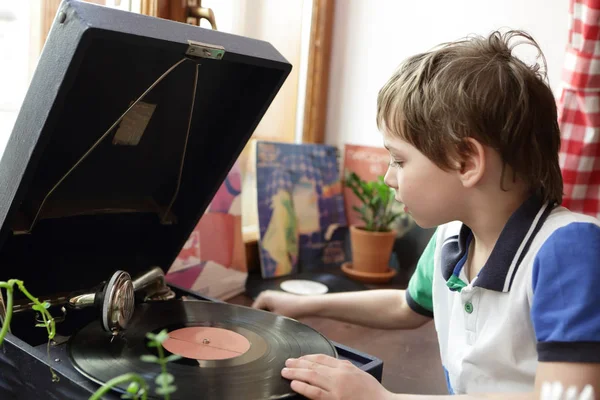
{"points": [[421, 283]]}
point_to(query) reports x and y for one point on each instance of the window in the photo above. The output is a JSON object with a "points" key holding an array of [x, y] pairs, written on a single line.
{"points": [[19, 48]]}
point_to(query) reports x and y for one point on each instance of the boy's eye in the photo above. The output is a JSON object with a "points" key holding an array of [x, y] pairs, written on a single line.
{"points": [[396, 163]]}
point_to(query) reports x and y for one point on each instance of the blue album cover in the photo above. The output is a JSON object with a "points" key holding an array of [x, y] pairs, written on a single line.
{"points": [[302, 222]]}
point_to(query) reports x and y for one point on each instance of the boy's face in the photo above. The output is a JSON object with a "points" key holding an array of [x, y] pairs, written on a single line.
{"points": [[431, 195]]}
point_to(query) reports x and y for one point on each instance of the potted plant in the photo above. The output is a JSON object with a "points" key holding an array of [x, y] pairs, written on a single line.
{"points": [[373, 241]]}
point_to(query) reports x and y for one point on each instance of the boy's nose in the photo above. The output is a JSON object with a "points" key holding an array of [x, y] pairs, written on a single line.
{"points": [[390, 179]]}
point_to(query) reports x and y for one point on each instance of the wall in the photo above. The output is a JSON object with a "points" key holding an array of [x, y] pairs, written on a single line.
{"points": [[372, 37]]}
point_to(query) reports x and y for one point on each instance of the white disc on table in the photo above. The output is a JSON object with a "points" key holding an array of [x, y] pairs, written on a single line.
{"points": [[304, 287]]}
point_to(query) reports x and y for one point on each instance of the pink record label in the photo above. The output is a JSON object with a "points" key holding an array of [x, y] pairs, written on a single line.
{"points": [[205, 343]]}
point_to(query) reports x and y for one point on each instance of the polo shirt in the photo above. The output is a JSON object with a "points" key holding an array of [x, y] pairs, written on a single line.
{"points": [[537, 298]]}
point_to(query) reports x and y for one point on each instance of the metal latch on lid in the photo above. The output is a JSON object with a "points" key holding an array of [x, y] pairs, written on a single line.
{"points": [[205, 50]]}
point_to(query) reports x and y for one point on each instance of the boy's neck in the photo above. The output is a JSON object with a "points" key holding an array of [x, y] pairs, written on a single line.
{"points": [[487, 218]]}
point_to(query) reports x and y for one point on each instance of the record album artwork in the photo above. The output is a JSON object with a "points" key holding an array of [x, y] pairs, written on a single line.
{"points": [[213, 260], [302, 223]]}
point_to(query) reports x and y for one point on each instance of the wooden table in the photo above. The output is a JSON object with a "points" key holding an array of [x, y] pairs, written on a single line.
{"points": [[411, 361]]}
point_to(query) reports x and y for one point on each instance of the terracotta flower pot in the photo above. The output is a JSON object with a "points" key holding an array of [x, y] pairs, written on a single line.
{"points": [[371, 251]]}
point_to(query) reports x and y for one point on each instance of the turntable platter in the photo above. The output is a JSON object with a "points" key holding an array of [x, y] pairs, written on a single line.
{"points": [[261, 342]]}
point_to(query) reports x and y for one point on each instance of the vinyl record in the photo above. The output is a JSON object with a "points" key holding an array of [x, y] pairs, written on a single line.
{"points": [[254, 372], [336, 282]]}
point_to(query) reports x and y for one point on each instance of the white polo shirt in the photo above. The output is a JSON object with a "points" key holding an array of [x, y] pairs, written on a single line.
{"points": [[537, 298]]}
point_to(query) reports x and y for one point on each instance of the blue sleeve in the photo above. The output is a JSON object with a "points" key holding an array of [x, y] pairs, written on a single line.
{"points": [[566, 295]]}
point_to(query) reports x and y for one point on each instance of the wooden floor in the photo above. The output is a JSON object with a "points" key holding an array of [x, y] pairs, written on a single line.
{"points": [[411, 361]]}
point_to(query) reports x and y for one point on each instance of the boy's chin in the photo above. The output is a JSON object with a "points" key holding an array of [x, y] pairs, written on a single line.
{"points": [[426, 223]]}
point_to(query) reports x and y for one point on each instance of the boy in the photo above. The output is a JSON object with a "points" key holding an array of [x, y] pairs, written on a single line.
{"points": [[510, 278]]}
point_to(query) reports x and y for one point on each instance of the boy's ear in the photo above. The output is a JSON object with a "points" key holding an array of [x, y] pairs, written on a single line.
{"points": [[472, 165]]}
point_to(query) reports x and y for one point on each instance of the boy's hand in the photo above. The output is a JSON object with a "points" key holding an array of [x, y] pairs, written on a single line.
{"points": [[286, 304], [322, 377]]}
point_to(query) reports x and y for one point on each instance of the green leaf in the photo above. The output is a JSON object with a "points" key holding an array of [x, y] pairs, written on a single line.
{"points": [[352, 178], [375, 204], [366, 188], [42, 307], [42, 325], [162, 336], [383, 192], [153, 344], [391, 218], [167, 390], [151, 336], [149, 358], [365, 214], [133, 388], [164, 379], [358, 194], [173, 357]]}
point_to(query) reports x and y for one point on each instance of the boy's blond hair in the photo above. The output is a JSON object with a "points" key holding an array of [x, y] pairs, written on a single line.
{"points": [[476, 88]]}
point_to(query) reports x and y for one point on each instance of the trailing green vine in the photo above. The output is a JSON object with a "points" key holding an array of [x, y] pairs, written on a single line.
{"points": [[41, 307], [138, 387]]}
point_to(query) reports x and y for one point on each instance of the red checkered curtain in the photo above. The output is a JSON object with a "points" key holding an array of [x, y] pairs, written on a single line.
{"points": [[579, 110]]}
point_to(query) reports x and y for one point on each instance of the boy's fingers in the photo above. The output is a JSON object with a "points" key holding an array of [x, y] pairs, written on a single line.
{"points": [[322, 359], [260, 302], [308, 391], [301, 363], [309, 376]]}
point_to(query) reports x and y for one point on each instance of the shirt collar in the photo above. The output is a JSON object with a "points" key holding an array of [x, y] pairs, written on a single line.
{"points": [[512, 245]]}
